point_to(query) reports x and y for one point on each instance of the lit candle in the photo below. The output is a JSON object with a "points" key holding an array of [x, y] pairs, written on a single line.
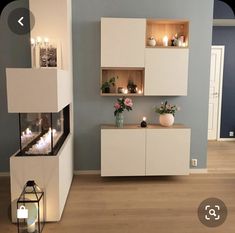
{"points": [[184, 44], [165, 41], [144, 123], [31, 227], [39, 40], [139, 92], [33, 42], [125, 91], [46, 40], [28, 131]]}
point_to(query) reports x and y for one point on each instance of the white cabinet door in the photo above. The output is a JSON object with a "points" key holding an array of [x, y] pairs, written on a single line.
{"points": [[166, 71], [122, 152], [122, 42], [167, 151]]}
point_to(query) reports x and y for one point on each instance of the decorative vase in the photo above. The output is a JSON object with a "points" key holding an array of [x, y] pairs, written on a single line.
{"points": [[166, 119], [119, 120], [152, 42]]}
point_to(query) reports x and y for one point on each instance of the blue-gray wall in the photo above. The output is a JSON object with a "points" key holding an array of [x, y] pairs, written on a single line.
{"points": [[226, 36], [14, 52], [91, 109]]}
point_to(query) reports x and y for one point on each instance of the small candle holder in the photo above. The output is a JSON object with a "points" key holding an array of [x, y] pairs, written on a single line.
{"points": [[144, 123]]}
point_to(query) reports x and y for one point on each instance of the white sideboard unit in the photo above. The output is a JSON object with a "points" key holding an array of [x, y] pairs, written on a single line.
{"points": [[151, 151]]}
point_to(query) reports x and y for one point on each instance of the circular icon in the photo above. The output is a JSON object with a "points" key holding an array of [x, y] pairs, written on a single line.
{"points": [[212, 212], [21, 21]]}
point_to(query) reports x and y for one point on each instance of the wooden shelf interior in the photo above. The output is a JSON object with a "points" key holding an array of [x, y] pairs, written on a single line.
{"points": [[161, 28], [124, 75]]}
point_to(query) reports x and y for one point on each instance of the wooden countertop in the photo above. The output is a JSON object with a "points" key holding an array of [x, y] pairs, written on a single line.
{"points": [[150, 126]]}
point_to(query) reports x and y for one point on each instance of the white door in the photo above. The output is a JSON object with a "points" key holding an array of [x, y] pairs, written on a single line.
{"points": [[216, 75]]}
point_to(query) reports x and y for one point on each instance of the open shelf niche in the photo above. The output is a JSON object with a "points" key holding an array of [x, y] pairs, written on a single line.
{"points": [[167, 29], [123, 76]]}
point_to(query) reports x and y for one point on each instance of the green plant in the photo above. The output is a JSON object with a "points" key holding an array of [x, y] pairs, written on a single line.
{"points": [[166, 108], [109, 83]]}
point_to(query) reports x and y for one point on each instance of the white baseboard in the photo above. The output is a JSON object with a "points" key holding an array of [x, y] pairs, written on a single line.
{"points": [[98, 172], [87, 172], [226, 139], [4, 174], [198, 171]]}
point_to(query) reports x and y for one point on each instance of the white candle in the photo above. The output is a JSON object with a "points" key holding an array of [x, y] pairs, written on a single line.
{"points": [[46, 40], [28, 131], [140, 92], [125, 91], [144, 118], [31, 227], [184, 44], [165, 41], [33, 42]]}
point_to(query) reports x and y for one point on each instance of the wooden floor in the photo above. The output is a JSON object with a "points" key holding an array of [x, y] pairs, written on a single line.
{"points": [[143, 205]]}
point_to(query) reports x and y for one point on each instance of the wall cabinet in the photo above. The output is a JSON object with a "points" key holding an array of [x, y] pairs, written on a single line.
{"points": [[166, 71], [135, 151], [126, 50], [122, 42]]}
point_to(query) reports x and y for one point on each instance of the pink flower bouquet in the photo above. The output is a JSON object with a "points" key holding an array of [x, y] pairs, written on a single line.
{"points": [[122, 104]]}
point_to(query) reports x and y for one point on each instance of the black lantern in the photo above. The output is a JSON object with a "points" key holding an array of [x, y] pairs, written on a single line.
{"points": [[143, 123], [30, 209]]}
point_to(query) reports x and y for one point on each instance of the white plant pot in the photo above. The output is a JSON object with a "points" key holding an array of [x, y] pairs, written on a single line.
{"points": [[152, 42], [166, 119]]}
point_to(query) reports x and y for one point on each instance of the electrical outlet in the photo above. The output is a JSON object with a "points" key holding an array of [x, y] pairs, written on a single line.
{"points": [[231, 134], [194, 162]]}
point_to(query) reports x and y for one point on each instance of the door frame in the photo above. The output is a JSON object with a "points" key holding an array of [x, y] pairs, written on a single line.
{"points": [[222, 48]]}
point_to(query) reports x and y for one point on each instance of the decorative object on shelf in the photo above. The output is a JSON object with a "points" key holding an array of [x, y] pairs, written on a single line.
{"points": [[167, 113], [144, 123], [106, 85], [45, 53], [178, 41], [121, 105], [152, 41], [30, 209], [165, 41], [121, 90], [131, 87], [174, 41]]}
